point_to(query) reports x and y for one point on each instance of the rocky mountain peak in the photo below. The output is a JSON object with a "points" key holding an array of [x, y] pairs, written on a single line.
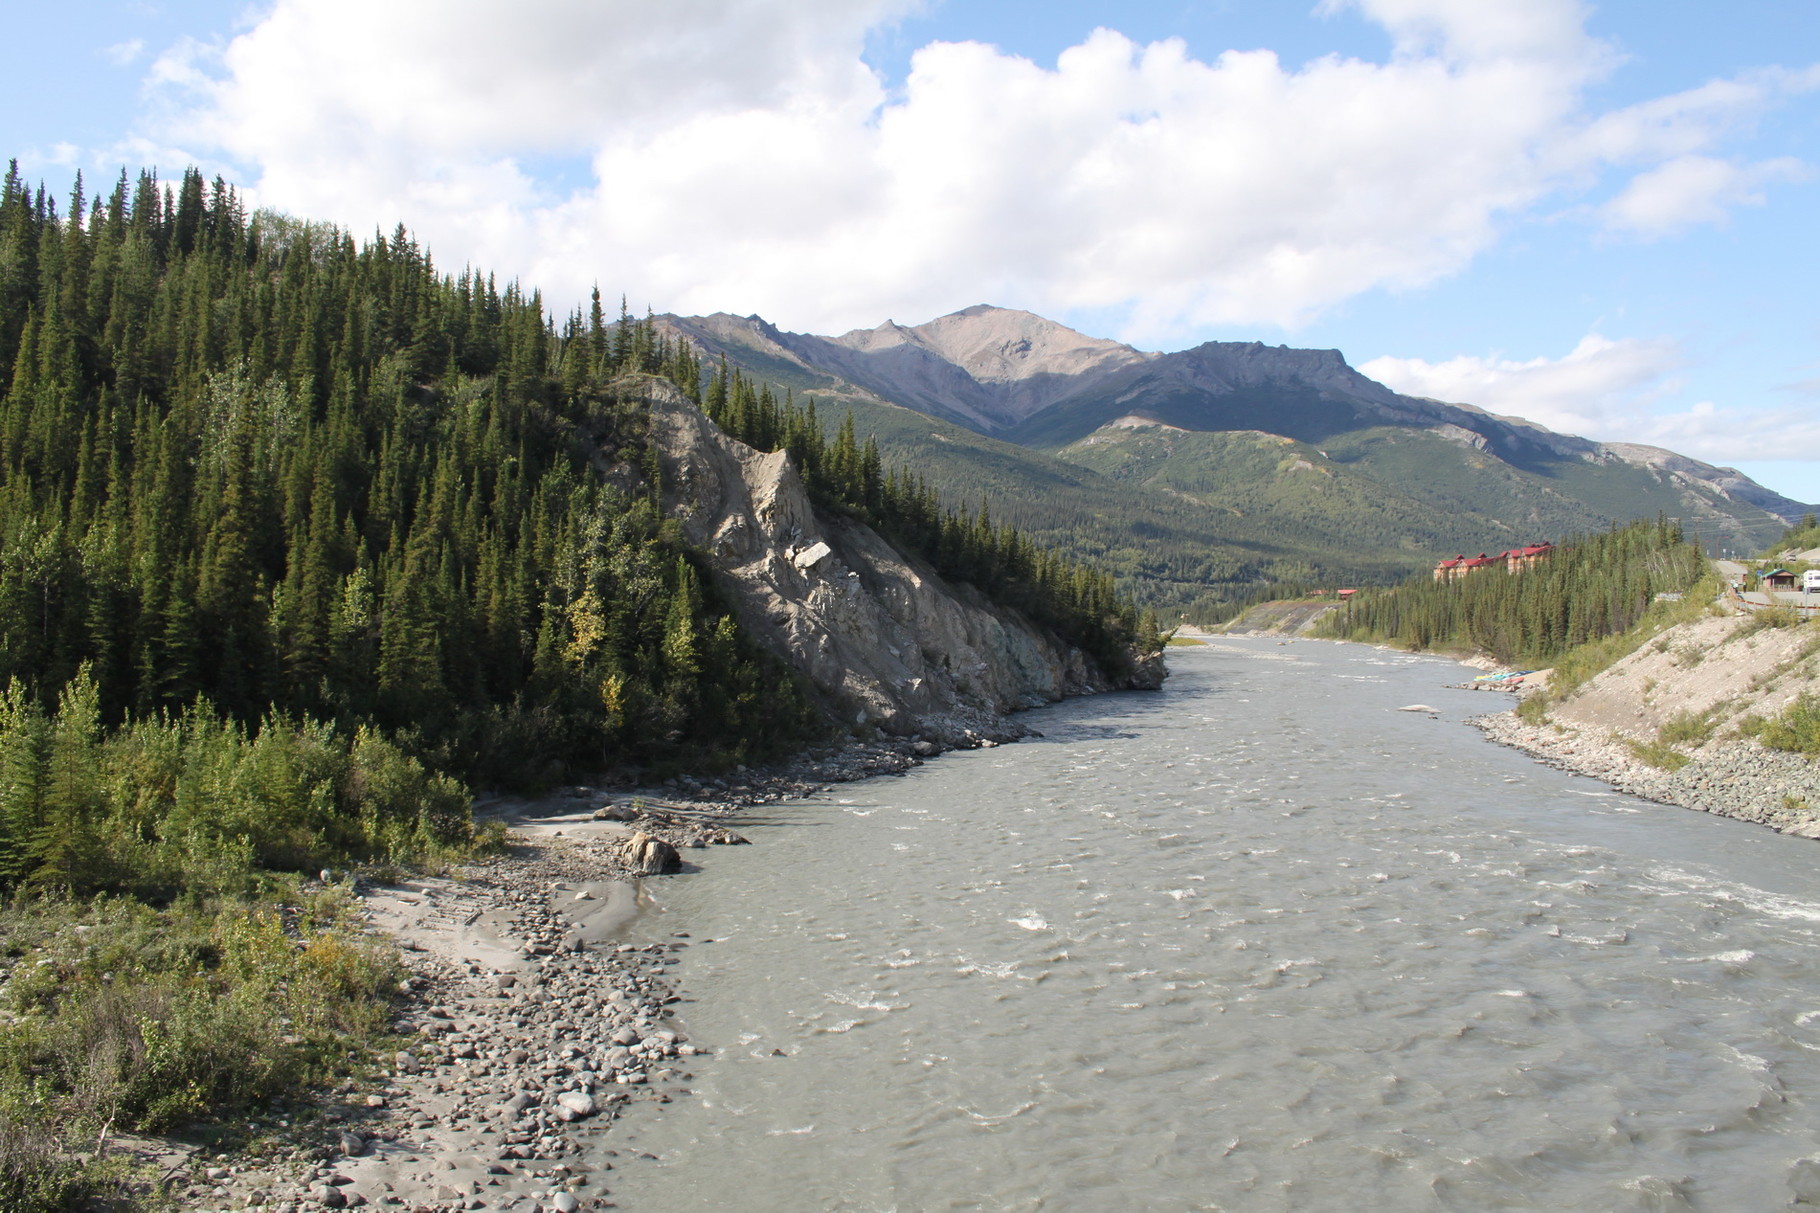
{"points": [[1248, 363], [997, 345], [1003, 345]]}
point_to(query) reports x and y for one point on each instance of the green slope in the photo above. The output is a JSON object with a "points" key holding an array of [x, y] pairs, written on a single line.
{"points": [[1199, 515], [1293, 411], [1544, 498]]}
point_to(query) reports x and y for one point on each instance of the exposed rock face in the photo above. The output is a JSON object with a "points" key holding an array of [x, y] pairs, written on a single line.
{"points": [[996, 366], [984, 367], [1728, 481], [885, 640]]}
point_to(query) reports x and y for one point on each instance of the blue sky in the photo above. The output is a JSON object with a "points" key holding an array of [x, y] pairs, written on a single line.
{"points": [[1600, 216]]}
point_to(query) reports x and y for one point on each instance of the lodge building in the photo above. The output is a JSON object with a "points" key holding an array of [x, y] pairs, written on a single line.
{"points": [[1515, 560]]}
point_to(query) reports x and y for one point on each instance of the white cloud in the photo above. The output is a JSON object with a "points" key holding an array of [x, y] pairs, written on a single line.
{"points": [[1601, 384], [1607, 390], [1689, 190], [1724, 435], [746, 159], [120, 54], [1467, 30]]}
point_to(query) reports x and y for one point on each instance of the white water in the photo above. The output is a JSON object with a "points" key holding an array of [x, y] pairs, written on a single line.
{"points": [[1258, 942]]}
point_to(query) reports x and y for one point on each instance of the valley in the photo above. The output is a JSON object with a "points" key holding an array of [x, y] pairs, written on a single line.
{"points": [[1204, 477]]}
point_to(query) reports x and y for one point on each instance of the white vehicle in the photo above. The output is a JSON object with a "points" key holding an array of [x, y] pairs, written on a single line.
{"points": [[1810, 581]]}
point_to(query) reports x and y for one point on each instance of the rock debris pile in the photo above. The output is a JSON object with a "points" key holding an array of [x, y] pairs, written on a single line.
{"points": [[1728, 778], [526, 1035]]}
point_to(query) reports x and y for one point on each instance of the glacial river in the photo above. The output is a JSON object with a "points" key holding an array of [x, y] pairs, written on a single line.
{"points": [[1258, 942]]}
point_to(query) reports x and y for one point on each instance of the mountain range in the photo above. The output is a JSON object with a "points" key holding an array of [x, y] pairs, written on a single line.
{"points": [[1199, 474]]}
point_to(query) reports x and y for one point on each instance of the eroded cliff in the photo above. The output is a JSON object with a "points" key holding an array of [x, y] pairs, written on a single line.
{"points": [[883, 639]]}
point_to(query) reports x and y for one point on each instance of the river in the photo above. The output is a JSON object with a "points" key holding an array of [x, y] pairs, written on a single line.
{"points": [[1260, 941]]}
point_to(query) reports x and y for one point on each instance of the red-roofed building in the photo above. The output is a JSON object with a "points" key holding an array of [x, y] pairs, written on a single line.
{"points": [[1518, 559], [1514, 560]]}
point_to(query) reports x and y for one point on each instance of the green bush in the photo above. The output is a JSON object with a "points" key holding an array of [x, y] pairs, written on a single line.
{"points": [[1533, 707], [1657, 754], [1771, 617], [141, 1018], [202, 805], [1687, 728], [1797, 729]]}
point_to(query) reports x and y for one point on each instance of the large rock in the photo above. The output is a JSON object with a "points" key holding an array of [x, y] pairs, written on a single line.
{"points": [[648, 856], [616, 812], [579, 1102]]}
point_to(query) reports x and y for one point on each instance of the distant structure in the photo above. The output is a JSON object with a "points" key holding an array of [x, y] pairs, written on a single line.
{"points": [[1515, 560]]}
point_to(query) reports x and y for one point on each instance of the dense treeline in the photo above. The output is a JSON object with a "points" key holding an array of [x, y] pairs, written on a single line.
{"points": [[1593, 586], [247, 462], [250, 464], [1077, 602]]}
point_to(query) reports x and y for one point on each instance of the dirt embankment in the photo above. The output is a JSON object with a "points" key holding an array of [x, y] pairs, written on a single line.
{"points": [[1670, 722], [1289, 617]]}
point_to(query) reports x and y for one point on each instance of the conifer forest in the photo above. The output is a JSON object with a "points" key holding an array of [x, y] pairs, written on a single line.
{"points": [[264, 488], [1593, 586]]}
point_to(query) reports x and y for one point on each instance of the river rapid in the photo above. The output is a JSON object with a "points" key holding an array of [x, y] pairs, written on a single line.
{"points": [[1260, 941]]}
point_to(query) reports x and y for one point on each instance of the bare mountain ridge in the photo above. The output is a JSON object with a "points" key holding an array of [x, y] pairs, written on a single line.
{"points": [[1039, 384], [985, 368]]}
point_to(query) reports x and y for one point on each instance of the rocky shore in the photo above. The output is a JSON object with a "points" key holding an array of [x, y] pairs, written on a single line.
{"points": [[1685, 700], [528, 1028], [1730, 778]]}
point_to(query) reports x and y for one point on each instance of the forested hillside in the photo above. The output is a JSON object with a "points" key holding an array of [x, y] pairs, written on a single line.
{"points": [[248, 463], [299, 538], [1803, 536], [1592, 587]]}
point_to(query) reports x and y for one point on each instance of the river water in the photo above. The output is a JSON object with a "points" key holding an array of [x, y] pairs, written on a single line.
{"points": [[1260, 941]]}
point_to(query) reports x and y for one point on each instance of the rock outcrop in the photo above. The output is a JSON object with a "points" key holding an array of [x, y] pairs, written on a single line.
{"points": [[648, 856], [885, 641]]}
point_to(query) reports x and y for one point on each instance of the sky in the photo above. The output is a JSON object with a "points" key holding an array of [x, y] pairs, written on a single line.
{"points": [[1599, 216]]}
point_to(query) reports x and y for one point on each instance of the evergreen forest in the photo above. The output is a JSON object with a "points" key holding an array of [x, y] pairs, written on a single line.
{"points": [[1593, 586], [258, 478], [302, 538]]}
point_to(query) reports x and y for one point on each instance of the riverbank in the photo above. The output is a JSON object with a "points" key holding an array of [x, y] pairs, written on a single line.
{"points": [[527, 1026], [1729, 778], [1672, 721]]}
